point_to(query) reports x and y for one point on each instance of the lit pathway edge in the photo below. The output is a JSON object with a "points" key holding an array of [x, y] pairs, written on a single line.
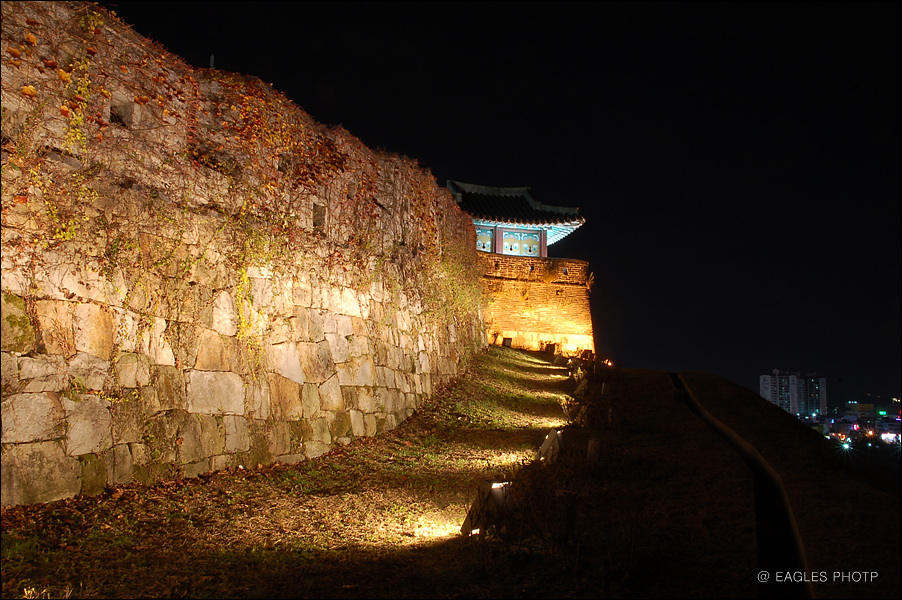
{"points": [[780, 545]]}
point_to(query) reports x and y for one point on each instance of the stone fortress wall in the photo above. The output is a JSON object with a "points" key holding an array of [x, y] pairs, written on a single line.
{"points": [[537, 302], [196, 275]]}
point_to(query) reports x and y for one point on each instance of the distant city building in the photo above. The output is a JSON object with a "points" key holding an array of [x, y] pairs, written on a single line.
{"points": [[812, 395], [800, 395]]}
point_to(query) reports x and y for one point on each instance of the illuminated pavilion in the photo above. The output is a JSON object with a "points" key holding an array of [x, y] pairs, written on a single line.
{"points": [[510, 221]]}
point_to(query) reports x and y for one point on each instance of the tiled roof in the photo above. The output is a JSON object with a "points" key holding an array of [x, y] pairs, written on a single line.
{"points": [[511, 205]]}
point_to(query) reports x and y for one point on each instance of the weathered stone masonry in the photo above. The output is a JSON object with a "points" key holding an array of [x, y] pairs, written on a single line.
{"points": [[537, 302], [196, 275]]}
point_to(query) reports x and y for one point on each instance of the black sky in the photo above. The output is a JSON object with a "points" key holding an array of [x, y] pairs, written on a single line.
{"points": [[738, 164]]}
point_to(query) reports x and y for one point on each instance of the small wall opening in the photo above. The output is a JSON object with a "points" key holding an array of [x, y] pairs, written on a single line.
{"points": [[123, 114], [506, 342], [319, 218]]}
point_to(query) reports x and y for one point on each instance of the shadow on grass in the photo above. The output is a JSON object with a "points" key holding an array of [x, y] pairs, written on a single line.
{"points": [[457, 567]]}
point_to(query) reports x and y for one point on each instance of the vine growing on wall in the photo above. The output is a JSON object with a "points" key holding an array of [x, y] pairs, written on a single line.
{"points": [[120, 141]]}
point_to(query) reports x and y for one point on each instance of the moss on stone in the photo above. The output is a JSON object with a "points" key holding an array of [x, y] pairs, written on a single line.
{"points": [[93, 474], [18, 332], [341, 426]]}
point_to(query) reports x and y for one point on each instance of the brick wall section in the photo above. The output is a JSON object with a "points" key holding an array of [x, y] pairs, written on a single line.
{"points": [[558, 270], [538, 301]]}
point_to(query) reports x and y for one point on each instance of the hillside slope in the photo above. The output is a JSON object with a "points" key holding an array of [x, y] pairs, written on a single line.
{"points": [[666, 512]]}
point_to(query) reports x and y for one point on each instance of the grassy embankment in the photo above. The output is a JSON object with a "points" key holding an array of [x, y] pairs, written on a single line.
{"points": [[666, 511]]}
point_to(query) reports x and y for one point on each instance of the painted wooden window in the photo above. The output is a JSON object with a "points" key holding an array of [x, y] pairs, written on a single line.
{"points": [[485, 238], [521, 242]]}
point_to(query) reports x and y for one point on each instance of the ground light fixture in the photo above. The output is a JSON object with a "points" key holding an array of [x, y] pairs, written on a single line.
{"points": [[551, 447], [489, 509]]}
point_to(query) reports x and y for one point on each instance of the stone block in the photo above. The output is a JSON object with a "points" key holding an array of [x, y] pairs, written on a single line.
{"points": [[126, 334], [119, 464], [302, 293], [140, 454], [344, 325], [315, 448], [281, 330], [371, 424], [213, 434], [423, 364], [291, 459], [128, 417], [37, 472], [171, 388], [385, 377], [315, 326], [31, 417], [257, 402], [225, 315], [161, 433], [403, 380], [358, 427], [341, 426], [260, 272], [43, 373], [211, 269], [282, 303], [359, 345], [89, 425], [391, 422], [93, 474], [262, 293], [348, 303], [402, 319], [319, 298], [300, 325], [330, 395], [322, 428], [155, 345], [285, 360], [132, 370], [213, 392], [338, 345], [88, 371], [9, 373], [191, 470], [223, 462], [16, 330], [254, 323], [329, 324], [284, 397], [198, 438], [55, 324], [93, 330], [279, 438], [310, 400], [385, 400], [366, 400], [216, 352], [357, 372], [237, 434], [316, 361]]}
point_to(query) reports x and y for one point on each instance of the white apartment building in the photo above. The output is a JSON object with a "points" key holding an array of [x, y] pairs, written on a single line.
{"points": [[800, 395]]}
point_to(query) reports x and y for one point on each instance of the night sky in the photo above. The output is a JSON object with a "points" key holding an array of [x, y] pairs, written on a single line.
{"points": [[738, 164]]}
